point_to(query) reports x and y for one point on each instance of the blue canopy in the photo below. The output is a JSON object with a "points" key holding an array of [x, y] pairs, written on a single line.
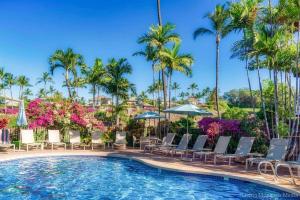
{"points": [[187, 109], [148, 115], [21, 120]]}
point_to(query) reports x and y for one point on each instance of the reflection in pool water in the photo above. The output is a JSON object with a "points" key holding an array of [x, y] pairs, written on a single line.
{"points": [[91, 177]]}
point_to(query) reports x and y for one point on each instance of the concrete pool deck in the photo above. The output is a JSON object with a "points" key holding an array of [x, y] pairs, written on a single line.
{"points": [[236, 171]]}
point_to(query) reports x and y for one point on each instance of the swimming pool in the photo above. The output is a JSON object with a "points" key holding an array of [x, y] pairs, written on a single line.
{"points": [[92, 177]]}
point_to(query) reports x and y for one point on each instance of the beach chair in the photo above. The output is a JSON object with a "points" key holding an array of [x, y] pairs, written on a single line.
{"points": [[5, 139], [165, 145], [242, 151], [54, 139], [290, 165], [97, 139], [220, 148], [27, 139], [182, 146], [75, 139], [276, 153], [120, 142]]}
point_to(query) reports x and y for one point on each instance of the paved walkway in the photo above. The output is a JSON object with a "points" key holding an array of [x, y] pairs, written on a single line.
{"points": [[235, 171]]}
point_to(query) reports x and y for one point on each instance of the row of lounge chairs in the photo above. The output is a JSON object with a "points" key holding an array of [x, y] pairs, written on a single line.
{"points": [[274, 160], [53, 139]]}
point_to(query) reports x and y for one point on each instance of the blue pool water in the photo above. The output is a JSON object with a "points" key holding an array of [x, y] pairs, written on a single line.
{"points": [[90, 177]]}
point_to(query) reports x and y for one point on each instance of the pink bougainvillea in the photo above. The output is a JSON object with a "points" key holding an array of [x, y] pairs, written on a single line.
{"points": [[9, 111], [214, 127], [62, 114]]}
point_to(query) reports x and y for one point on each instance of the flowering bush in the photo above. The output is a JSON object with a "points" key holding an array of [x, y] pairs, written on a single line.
{"points": [[42, 114], [3, 123], [9, 111], [213, 126]]}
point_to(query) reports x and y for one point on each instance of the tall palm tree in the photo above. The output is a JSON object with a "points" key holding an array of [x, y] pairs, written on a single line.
{"points": [[2, 76], [220, 27], [243, 15], [69, 61], [158, 12], [150, 53], [193, 87], [45, 79], [175, 87], [159, 37], [173, 60], [96, 77], [117, 84], [9, 81], [22, 82]]}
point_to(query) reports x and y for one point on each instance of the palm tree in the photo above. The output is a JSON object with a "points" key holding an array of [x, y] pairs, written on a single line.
{"points": [[9, 81], [2, 76], [142, 97], [22, 82], [45, 78], [96, 77], [243, 15], [193, 87], [175, 87], [27, 93], [69, 61], [220, 27], [117, 84], [158, 12], [159, 37], [51, 90], [42, 93], [150, 53], [174, 61], [182, 95]]}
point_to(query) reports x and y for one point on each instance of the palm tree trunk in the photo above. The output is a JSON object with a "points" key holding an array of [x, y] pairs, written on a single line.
{"points": [[158, 12], [68, 85], [153, 79], [262, 100], [248, 78], [94, 94], [276, 101], [164, 82], [217, 72], [170, 83]]}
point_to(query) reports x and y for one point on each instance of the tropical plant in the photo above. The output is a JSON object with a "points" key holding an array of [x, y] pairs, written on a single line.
{"points": [[9, 81], [220, 27], [45, 79], [159, 37], [193, 87], [117, 84], [69, 61], [22, 82], [175, 87]]}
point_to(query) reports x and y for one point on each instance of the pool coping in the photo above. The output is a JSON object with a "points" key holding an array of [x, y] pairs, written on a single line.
{"points": [[151, 163]]}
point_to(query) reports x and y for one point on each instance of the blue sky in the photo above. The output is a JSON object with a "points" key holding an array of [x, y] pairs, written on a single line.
{"points": [[31, 30]]}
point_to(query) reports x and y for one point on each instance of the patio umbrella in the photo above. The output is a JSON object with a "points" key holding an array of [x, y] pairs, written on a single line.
{"points": [[188, 110], [21, 120], [148, 115]]}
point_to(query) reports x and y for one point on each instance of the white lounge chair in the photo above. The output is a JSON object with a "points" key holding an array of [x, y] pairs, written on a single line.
{"points": [[54, 139], [290, 165], [182, 146], [220, 148], [242, 151], [120, 142], [5, 139], [75, 139], [97, 139], [276, 153], [165, 145], [27, 139]]}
